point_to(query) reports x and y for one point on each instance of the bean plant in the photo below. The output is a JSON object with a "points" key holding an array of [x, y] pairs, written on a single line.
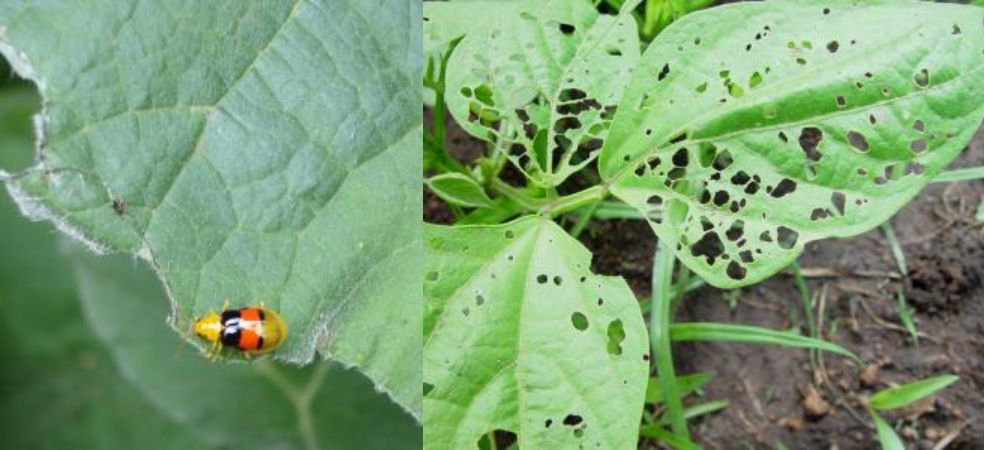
{"points": [[740, 134]]}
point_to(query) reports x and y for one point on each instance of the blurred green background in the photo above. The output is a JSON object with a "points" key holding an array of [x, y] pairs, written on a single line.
{"points": [[87, 360]]}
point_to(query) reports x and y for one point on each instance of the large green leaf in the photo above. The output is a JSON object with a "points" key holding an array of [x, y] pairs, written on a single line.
{"points": [[521, 336], [250, 151], [541, 75], [258, 405], [59, 386], [718, 129]]}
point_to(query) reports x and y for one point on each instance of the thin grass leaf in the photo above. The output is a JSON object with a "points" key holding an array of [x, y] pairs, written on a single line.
{"points": [[720, 332], [886, 435], [905, 394], [701, 409], [658, 433], [686, 385]]}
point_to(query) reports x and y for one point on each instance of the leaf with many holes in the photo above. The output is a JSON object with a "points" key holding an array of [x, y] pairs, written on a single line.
{"points": [[263, 404], [758, 127], [521, 336], [543, 79], [249, 152]]}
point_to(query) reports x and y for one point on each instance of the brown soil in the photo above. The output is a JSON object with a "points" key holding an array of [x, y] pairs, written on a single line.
{"points": [[769, 388]]}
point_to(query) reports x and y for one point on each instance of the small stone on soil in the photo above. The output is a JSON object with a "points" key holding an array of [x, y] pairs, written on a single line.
{"points": [[814, 405], [869, 376]]}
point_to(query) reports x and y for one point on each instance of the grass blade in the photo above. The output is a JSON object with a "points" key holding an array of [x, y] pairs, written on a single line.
{"points": [[886, 435], [905, 394], [658, 433], [686, 385], [660, 336], [701, 409], [720, 332]]}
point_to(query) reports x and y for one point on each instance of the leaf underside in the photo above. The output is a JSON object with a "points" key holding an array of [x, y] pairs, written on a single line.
{"points": [[521, 336], [235, 146], [752, 129]]}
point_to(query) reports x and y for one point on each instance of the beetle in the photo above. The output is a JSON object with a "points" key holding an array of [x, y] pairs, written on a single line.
{"points": [[252, 330]]}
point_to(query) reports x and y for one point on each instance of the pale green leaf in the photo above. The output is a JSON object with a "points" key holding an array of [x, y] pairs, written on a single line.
{"points": [[255, 151], [542, 78], [686, 384], [887, 437], [717, 130], [521, 336], [459, 189], [900, 396]]}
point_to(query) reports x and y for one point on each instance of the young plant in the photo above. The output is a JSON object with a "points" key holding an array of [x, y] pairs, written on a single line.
{"points": [[899, 397], [740, 134]]}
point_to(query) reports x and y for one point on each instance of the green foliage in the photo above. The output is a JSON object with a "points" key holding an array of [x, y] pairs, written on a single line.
{"points": [[103, 374], [900, 396], [755, 128], [521, 336], [459, 189], [248, 152], [886, 435], [721, 332]]}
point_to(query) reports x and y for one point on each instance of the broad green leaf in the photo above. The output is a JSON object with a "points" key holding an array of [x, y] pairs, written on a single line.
{"points": [[521, 336], [459, 189], [262, 404], [541, 78], [722, 332], [899, 396], [59, 386], [755, 128], [887, 437], [255, 151]]}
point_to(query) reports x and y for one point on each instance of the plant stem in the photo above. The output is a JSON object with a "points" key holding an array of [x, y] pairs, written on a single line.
{"points": [[893, 244], [582, 220], [804, 292], [517, 195], [659, 335], [567, 203]]}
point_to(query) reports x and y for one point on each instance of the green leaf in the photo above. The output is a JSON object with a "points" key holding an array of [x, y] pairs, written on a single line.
{"points": [[542, 76], [521, 336], [261, 404], [980, 212], [887, 437], [252, 153], [686, 384], [720, 332], [899, 396], [447, 21], [60, 388], [718, 128], [660, 434], [459, 189]]}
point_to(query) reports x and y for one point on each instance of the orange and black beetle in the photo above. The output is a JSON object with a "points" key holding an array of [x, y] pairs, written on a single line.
{"points": [[253, 330]]}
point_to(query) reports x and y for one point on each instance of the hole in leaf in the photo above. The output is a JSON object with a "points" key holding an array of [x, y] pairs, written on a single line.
{"points": [[433, 275], [755, 80], [483, 93], [921, 78], [918, 145], [542, 279], [701, 88], [573, 420], [547, 423], [664, 72], [709, 246], [735, 270], [681, 158], [558, 280], [580, 321], [720, 198], [479, 300], [786, 237], [567, 29], [857, 140], [841, 101], [784, 187], [740, 178], [839, 201], [783, 137], [832, 46], [809, 140], [919, 126], [616, 334], [736, 230], [723, 160], [956, 30]]}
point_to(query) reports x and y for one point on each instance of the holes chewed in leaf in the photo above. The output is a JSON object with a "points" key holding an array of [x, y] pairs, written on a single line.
{"points": [[432, 275], [572, 420], [542, 279], [787, 237], [839, 201], [558, 280], [720, 198], [784, 187], [735, 270], [832, 46], [841, 101], [809, 140], [918, 145], [723, 160], [922, 78], [664, 72], [567, 29], [616, 334], [918, 125], [736, 230], [681, 158], [580, 321], [709, 246], [857, 140], [740, 178]]}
